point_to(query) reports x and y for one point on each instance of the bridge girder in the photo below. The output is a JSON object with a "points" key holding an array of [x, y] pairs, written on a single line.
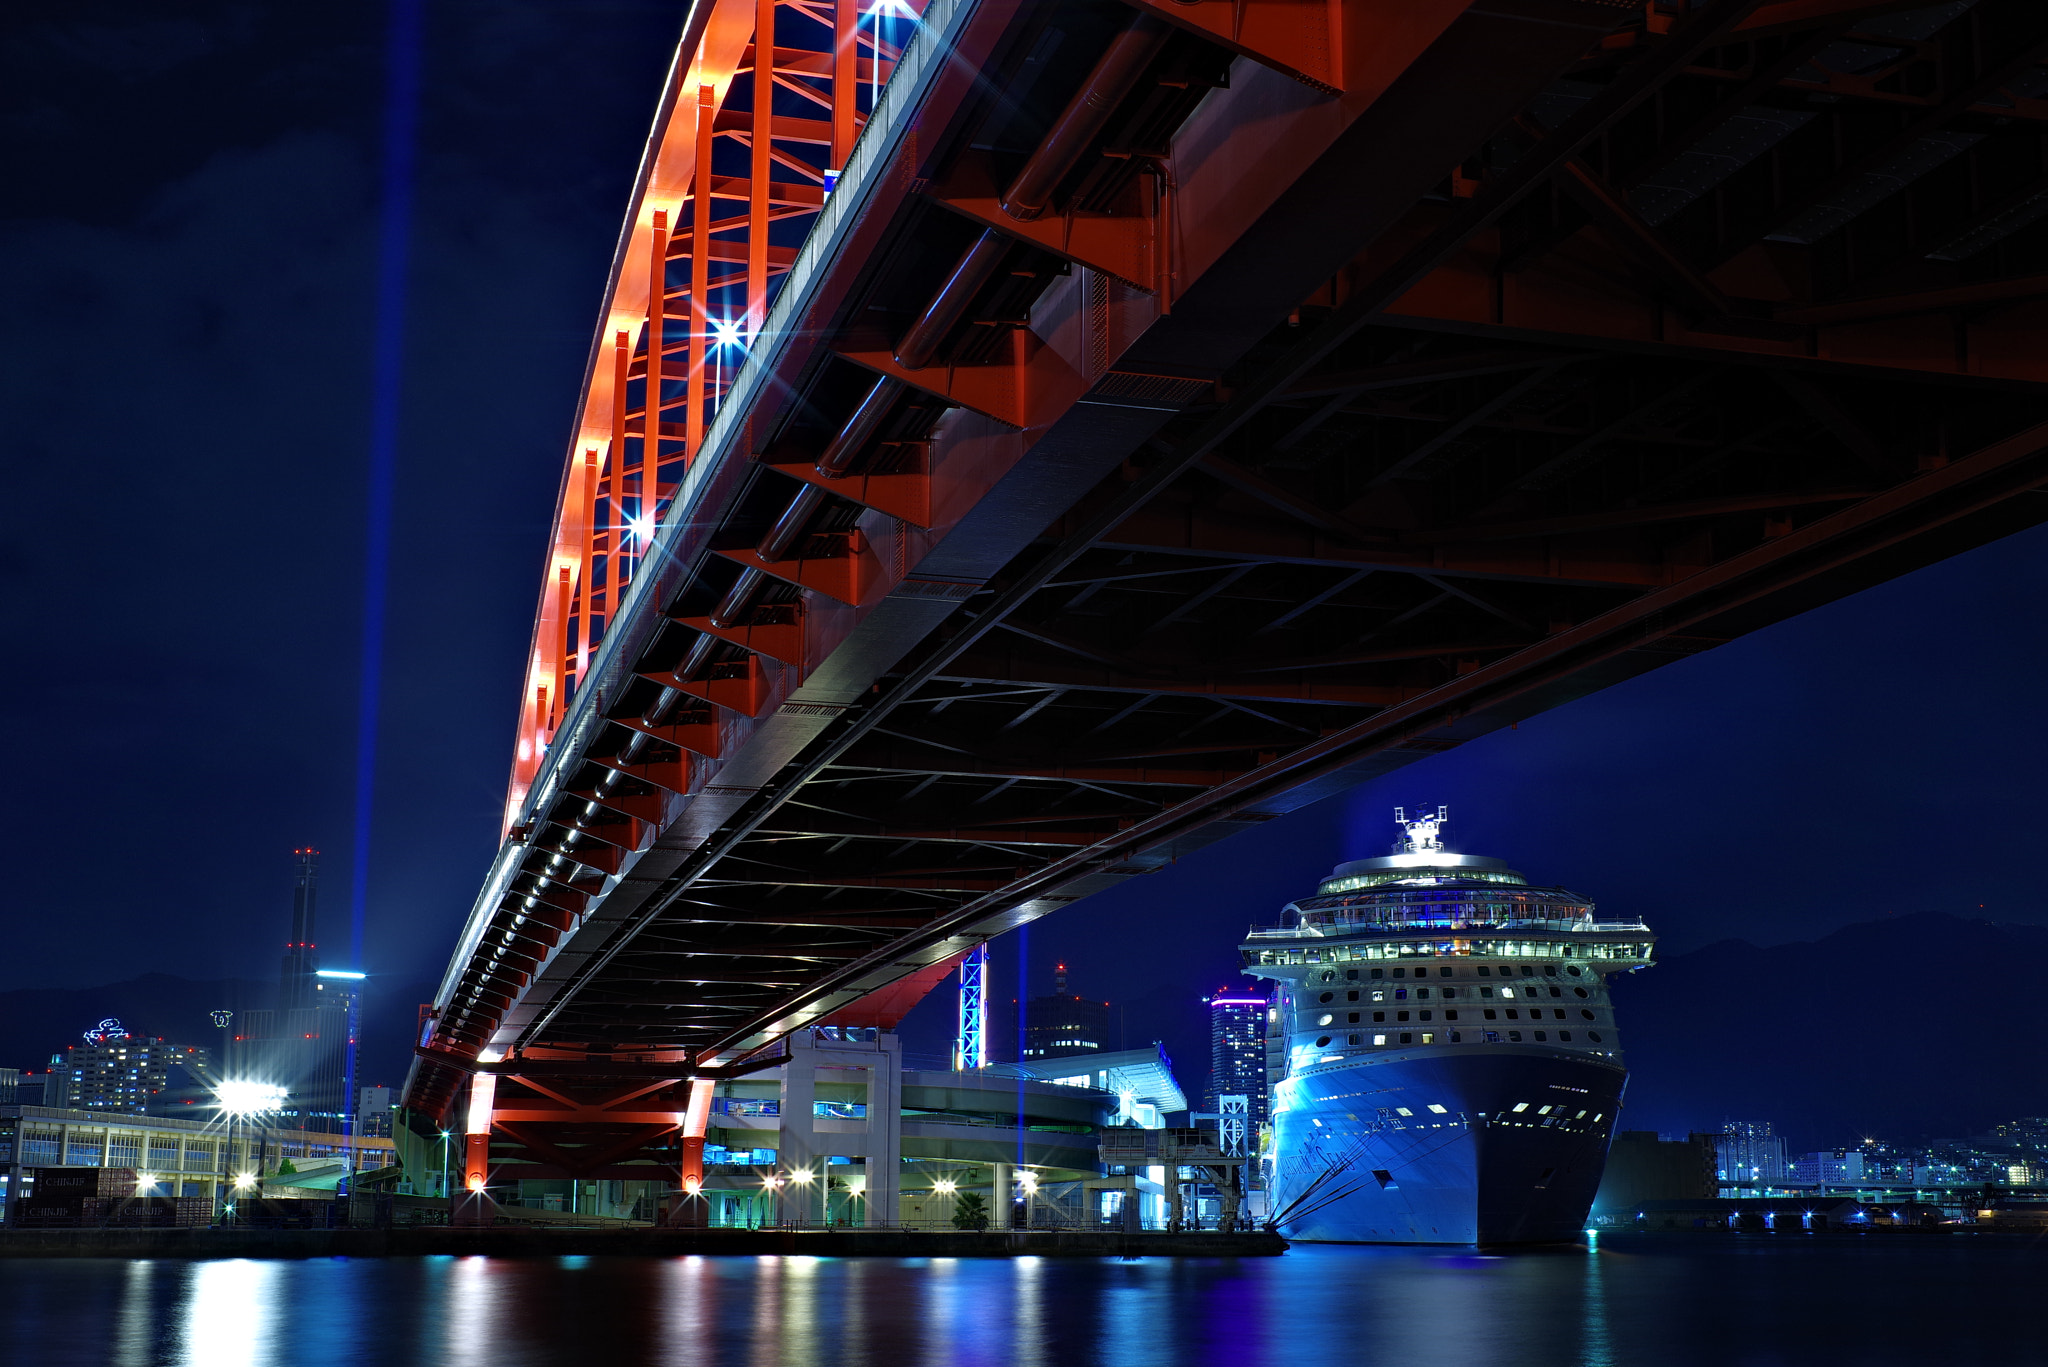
{"points": [[1356, 392]]}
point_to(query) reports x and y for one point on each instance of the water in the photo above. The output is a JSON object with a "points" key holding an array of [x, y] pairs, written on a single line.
{"points": [[1669, 1302]]}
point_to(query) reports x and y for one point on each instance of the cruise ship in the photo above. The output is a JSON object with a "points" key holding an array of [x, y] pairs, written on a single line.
{"points": [[1445, 1064]]}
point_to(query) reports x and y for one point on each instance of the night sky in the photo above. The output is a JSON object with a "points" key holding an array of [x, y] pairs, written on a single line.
{"points": [[188, 278]]}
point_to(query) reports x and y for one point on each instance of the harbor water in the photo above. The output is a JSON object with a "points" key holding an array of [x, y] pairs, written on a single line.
{"points": [[1638, 1301]]}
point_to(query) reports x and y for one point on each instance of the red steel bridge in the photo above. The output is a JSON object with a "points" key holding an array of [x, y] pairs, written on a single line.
{"points": [[1025, 442]]}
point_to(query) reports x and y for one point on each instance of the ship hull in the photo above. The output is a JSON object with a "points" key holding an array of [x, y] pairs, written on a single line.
{"points": [[1463, 1166]]}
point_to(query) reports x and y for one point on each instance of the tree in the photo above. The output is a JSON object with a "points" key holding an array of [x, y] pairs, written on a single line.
{"points": [[285, 1169], [970, 1211]]}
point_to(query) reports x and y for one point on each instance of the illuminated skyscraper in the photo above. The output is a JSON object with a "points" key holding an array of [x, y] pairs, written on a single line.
{"points": [[1237, 1051], [302, 1046]]}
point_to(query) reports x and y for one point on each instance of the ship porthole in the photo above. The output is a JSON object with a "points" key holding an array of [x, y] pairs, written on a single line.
{"points": [[1323, 1042], [1325, 1020], [1593, 1035]]}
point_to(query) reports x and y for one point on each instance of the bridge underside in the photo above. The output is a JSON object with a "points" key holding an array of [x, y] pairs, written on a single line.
{"points": [[1365, 383]]}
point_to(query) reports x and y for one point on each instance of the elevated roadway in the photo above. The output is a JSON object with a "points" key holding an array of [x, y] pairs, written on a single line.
{"points": [[1035, 441]]}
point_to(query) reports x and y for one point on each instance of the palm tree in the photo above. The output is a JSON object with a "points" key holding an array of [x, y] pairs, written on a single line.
{"points": [[970, 1211]]}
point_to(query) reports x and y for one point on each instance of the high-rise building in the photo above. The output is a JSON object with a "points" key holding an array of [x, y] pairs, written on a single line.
{"points": [[1747, 1155], [1237, 1051], [301, 952], [302, 1045], [1064, 1024], [118, 1070]]}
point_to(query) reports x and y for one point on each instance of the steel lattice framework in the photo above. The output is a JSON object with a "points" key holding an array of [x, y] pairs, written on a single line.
{"points": [[1175, 413]]}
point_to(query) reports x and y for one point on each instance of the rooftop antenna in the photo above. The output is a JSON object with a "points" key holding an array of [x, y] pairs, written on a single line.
{"points": [[1422, 834]]}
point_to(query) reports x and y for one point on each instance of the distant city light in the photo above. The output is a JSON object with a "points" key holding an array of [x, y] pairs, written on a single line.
{"points": [[802, 1177], [244, 1181]]}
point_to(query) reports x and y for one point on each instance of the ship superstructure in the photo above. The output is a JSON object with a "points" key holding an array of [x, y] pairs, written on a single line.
{"points": [[1448, 1065]]}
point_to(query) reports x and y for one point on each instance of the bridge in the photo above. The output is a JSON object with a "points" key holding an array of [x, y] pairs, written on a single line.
{"points": [[1026, 442]]}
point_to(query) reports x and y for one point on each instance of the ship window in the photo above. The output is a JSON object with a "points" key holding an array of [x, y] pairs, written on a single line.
{"points": [[1403, 1110], [1557, 992], [1379, 996], [1450, 992], [1323, 1042], [1379, 1015], [1511, 1014], [1528, 970], [1351, 996], [1352, 1019], [1400, 1015], [1486, 992], [1351, 975], [1407, 1039], [1327, 996], [1422, 992], [1593, 1035], [1378, 972], [1521, 1105], [1485, 972], [1324, 1019], [1450, 1015], [1400, 972], [1354, 1039], [1540, 1035], [1555, 1012], [1379, 1039], [1329, 975], [1506, 971], [1444, 972], [1490, 1014], [1507, 991], [1573, 970], [1587, 1014], [1400, 994], [1515, 1036], [1566, 1036], [1579, 991], [1428, 1037], [1550, 970], [1457, 1038]]}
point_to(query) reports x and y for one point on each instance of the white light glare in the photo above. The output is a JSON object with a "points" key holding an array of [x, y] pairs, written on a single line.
{"points": [[337, 973], [944, 1186], [726, 332], [642, 528], [248, 1098]]}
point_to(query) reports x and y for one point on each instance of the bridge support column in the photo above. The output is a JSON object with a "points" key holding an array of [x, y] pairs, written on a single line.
{"points": [[1000, 1198], [472, 1205], [691, 1208], [878, 1140]]}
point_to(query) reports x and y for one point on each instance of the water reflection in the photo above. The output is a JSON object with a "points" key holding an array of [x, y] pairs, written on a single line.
{"points": [[230, 1312], [1680, 1302]]}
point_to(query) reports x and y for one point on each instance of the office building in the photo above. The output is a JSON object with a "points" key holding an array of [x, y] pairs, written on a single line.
{"points": [[1064, 1024], [373, 1110], [1237, 1052]]}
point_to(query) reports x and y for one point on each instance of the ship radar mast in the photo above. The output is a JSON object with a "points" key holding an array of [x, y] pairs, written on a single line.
{"points": [[1422, 834]]}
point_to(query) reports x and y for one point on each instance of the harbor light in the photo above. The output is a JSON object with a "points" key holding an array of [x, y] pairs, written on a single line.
{"points": [[244, 1098]]}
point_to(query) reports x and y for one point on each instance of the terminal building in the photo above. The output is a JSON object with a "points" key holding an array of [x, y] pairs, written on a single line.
{"points": [[174, 1156]]}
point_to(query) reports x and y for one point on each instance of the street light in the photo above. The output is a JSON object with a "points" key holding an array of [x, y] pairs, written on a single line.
{"points": [[240, 1099]]}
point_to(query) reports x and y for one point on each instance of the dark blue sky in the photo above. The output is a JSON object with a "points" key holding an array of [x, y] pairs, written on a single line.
{"points": [[186, 268]]}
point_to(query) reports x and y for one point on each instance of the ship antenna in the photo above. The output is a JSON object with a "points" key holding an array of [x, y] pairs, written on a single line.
{"points": [[1424, 834]]}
